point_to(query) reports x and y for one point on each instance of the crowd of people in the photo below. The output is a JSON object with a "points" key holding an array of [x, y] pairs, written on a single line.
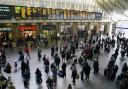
{"points": [[90, 47]]}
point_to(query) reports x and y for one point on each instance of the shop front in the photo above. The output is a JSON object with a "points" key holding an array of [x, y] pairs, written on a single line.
{"points": [[49, 31], [66, 30], [28, 31], [6, 33]]}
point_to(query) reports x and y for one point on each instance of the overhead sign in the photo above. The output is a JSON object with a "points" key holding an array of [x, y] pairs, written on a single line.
{"points": [[28, 28], [23, 12], [98, 16], [29, 12], [18, 12], [6, 12]]}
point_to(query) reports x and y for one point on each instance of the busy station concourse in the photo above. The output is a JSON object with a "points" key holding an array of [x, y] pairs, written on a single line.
{"points": [[63, 44]]}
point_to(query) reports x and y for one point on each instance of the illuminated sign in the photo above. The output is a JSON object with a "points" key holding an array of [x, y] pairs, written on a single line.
{"points": [[18, 12], [49, 13], [23, 13], [45, 14], [40, 13], [6, 12], [28, 28], [35, 12], [65, 14], [29, 12]]}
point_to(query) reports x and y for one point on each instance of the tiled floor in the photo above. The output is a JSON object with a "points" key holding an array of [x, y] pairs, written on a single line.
{"points": [[96, 81]]}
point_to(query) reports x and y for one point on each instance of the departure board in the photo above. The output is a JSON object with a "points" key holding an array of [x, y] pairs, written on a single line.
{"points": [[49, 13], [72, 14], [65, 14], [57, 14], [40, 13], [53, 13], [75, 14], [35, 12], [69, 15], [23, 13], [45, 14], [61, 14], [18, 12], [29, 12], [81, 15], [78, 15]]}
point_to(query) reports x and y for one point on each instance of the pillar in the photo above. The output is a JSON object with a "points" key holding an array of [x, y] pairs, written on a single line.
{"points": [[74, 26]]}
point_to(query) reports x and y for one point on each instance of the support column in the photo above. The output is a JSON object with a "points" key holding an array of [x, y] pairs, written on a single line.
{"points": [[74, 27], [16, 32]]}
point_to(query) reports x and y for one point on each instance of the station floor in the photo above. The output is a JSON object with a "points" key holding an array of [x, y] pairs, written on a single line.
{"points": [[97, 81]]}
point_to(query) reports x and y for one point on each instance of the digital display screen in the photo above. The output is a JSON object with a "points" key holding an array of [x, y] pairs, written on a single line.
{"points": [[40, 13], [35, 12], [29, 12], [18, 12], [65, 14], [6, 12], [23, 12], [45, 14]]}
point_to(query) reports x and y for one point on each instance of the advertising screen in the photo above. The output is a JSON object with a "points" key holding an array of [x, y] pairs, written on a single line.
{"points": [[6, 12]]}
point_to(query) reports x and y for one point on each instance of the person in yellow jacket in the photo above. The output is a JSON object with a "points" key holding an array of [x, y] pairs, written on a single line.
{"points": [[11, 86]]}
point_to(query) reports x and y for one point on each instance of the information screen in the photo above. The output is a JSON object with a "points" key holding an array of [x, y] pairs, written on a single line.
{"points": [[45, 14], [40, 13], [35, 13], [23, 12], [18, 12], [29, 12]]}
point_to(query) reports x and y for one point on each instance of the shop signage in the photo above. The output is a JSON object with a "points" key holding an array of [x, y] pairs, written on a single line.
{"points": [[6, 29], [6, 12], [48, 27], [28, 28]]}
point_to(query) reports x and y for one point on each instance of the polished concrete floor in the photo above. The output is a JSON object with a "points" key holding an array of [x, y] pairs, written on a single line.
{"points": [[97, 81]]}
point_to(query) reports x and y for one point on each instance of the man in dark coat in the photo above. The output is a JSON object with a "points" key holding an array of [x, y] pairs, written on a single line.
{"points": [[87, 69]]}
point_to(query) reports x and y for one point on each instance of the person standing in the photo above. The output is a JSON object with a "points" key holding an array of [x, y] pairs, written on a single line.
{"points": [[39, 53], [8, 69], [57, 61], [27, 51], [87, 69], [96, 66], [64, 68], [49, 83]]}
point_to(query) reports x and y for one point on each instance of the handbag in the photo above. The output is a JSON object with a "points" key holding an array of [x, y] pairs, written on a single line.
{"points": [[77, 76]]}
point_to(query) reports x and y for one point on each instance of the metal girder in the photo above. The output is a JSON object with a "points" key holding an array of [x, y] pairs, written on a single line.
{"points": [[101, 5]]}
